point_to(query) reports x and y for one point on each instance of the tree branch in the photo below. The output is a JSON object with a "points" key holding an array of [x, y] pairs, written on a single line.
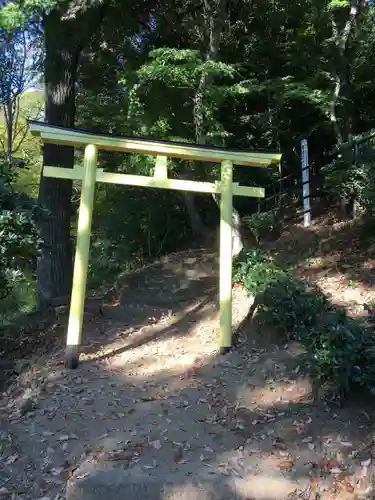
{"points": [[353, 13], [23, 133]]}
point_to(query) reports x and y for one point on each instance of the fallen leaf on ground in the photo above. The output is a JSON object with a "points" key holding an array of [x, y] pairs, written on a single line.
{"points": [[63, 437], [57, 471], [268, 453], [156, 444], [313, 483], [67, 473], [349, 488], [287, 465], [12, 459], [301, 427], [236, 284], [279, 443], [329, 464], [346, 443], [342, 476], [307, 439], [123, 455], [335, 470], [47, 433]]}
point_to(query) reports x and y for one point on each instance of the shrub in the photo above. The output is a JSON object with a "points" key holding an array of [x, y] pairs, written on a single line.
{"points": [[338, 349], [352, 174], [254, 268], [341, 350], [263, 224], [290, 306], [19, 239]]}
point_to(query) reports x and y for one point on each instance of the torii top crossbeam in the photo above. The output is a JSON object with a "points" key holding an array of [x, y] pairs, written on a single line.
{"points": [[109, 142]]}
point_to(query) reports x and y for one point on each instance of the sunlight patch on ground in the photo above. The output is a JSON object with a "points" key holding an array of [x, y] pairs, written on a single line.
{"points": [[148, 366], [174, 344], [278, 391], [259, 487], [264, 487], [177, 354], [261, 478]]}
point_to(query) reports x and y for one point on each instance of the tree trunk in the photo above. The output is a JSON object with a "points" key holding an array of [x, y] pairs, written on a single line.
{"points": [[237, 236], [66, 34], [9, 110], [214, 16], [195, 220], [55, 264], [341, 105], [341, 31]]}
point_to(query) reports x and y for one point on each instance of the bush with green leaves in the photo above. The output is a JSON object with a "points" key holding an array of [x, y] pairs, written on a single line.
{"points": [[352, 175], [338, 349], [263, 224], [255, 268], [19, 240], [341, 350], [291, 306]]}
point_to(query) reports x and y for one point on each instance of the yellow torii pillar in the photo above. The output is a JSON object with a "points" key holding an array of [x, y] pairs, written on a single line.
{"points": [[77, 300], [225, 283]]}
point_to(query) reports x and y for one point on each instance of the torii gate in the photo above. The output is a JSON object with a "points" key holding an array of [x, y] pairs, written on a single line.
{"points": [[89, 174]]}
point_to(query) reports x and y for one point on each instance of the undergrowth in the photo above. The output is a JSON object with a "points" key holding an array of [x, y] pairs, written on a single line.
{"points": [[19, 245], [263, 224], [338, 349]]}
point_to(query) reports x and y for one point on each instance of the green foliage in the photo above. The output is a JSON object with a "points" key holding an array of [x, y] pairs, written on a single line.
{"points": [[11, 16], [173, 67], [262, 224], [342, 351], [271, 83], [19, 240], [338, 349], [290, 90], [266, 90], [255, 268], [174, 75], [181, 67], [352, 174], [28, 147], [337, 4], [290, 306]]}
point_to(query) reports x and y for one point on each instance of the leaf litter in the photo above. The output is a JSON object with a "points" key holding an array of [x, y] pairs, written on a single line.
{"points": [[193, 418]]}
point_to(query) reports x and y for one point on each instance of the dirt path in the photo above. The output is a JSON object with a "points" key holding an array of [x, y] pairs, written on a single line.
{"points": [[153, 413]]}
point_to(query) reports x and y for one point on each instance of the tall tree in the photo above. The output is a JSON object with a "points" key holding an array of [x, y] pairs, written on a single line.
{"points": [[214, 14], [67, 30]]}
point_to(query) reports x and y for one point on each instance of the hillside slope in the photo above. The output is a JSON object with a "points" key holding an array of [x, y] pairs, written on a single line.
{"points": [[152, 400]]}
